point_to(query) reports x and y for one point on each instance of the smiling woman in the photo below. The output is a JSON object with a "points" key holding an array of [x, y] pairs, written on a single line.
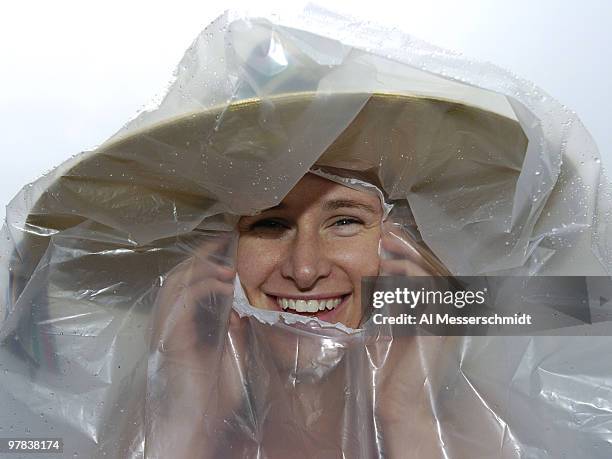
{"points": [[308, 254]]}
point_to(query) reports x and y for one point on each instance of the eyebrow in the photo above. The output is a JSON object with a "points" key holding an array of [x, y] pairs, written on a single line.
{"points": [[348, 203], [333, 204]]}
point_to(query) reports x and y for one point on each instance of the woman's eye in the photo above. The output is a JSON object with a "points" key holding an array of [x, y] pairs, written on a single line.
{"points": [[347, 226], [268, 225], [346, 221]]}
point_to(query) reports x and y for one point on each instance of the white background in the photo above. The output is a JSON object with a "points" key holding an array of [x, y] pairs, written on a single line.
{"points": [[72, 73]]}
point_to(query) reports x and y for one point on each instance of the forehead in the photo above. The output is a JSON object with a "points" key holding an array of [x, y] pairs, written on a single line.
{"points": [[314, 190]]}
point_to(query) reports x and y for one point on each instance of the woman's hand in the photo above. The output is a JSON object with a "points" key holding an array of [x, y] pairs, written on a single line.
{"points": [[193, 375], [409, 383], [195, 299], [407, 378], [403, 256]]}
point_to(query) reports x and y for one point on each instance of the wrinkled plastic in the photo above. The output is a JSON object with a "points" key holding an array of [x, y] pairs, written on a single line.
{"points": [[114, 338]]}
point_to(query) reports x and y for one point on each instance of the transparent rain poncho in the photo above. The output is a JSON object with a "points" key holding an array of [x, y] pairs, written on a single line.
{"points": [[113, 338]]}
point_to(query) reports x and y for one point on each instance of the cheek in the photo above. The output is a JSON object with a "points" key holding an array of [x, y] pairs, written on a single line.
{"points": [[256, 259], [358, 255]]}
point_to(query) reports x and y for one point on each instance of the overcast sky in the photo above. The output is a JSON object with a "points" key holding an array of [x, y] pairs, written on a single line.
{"points": [[74, 72]]}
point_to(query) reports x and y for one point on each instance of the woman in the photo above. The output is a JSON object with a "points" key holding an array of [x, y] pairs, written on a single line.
{"points": [[308, 254], [305, 256]]}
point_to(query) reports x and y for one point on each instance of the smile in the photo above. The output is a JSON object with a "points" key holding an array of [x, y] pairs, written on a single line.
{"points": [[312, 305]]}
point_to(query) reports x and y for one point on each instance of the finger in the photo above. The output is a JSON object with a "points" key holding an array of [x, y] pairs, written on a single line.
{"points": [[195, 271], [390, 226], [401, 244], [200, 271], [177, 308], [205, 241], [225, 273], [209, 291], [397, 245], [215, 246], [403, 268]]}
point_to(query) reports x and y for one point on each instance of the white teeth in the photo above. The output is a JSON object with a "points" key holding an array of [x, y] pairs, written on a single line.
{"points": [[308, 305], [301, 306]]}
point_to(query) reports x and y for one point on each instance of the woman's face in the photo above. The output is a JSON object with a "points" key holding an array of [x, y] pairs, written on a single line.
{"points": [[308, 254]]}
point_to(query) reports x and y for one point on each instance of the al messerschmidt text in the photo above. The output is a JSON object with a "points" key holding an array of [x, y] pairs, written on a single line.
{"points": [[449, 319]]}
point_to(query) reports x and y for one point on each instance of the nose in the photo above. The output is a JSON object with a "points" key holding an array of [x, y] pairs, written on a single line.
{"points": [[306, 261]]}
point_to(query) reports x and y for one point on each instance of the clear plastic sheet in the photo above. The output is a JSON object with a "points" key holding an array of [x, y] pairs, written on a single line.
{"points": [[124, 333]]}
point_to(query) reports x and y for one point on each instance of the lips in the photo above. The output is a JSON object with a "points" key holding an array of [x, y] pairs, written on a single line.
{"points": [[325, 307]]}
